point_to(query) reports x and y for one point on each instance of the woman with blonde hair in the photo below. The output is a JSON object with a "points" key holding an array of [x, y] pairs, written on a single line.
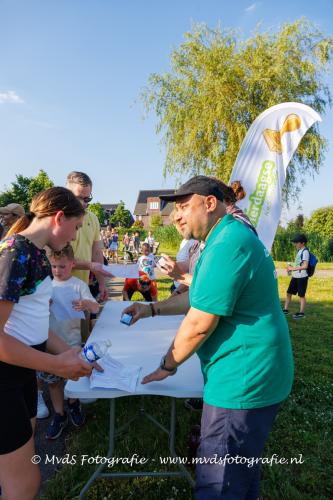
{"points": [[26, 345]]}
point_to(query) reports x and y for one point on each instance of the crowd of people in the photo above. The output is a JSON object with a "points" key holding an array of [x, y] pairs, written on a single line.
{"points": [[224, 281], [131, 244]]}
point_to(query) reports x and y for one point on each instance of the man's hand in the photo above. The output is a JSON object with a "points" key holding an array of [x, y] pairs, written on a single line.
{"points": [[156, 376], [138, 311], [103, 292], [97, 267], [171, 268]]}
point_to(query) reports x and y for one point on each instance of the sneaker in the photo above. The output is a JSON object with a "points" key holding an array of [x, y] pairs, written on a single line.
{"points": [[194, 404], [285, 311], [57, 425], [42, 409], [298, 315], [76, 414]]}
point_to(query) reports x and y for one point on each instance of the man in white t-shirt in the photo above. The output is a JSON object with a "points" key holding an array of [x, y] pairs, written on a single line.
{"points": [[299, 280]]}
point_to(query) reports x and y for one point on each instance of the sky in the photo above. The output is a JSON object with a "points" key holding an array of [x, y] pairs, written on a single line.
{"points": [[71, 74]]}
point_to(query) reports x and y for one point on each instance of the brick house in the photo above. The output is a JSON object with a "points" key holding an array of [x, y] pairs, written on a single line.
{"points": [[149, 204], [109, 209]]}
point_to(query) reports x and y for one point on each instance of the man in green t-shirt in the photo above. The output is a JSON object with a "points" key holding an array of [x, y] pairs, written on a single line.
{"points": [[236, 326]]}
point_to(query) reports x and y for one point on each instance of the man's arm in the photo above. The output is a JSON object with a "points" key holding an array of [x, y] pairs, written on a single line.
{"points": [[195, 329], [304, 265], [177, 304], [94, 267], [97, 256]]}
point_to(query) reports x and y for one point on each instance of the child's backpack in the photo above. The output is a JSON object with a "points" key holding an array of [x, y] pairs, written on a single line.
{"points": [[312, 262]]}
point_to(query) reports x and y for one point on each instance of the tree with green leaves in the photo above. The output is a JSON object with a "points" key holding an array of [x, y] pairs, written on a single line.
{"points": [[219, 84], [321, 222], [97, 209], [121, 216], [24, 189], [137, 224], [156, 221]]}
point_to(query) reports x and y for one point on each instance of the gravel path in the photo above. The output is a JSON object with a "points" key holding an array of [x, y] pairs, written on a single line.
{"points": [[319, 273]]}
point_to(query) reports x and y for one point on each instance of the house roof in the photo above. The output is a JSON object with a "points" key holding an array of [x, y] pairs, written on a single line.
{"points": [[141, 203]]}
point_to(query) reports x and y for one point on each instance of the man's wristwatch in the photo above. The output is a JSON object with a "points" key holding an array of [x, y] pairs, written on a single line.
{"points": [[171, 371]]}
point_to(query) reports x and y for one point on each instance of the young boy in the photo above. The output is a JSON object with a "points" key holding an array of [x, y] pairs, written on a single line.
{"points": [[144, 285], [299, 280], [70, 297], [147, 262]]}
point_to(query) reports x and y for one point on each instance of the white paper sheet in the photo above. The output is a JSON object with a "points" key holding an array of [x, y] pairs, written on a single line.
{"points": [[115, 375], [121, 271]]}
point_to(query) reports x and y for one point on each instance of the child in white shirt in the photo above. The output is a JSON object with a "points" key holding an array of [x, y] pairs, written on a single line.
{"points": [[70, 297], [147, 262]]}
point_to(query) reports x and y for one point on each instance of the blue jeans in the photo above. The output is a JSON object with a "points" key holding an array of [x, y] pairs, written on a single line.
{"points": [[226, 434]]}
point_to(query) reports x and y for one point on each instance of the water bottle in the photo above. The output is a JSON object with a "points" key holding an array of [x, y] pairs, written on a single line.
{"points": [[289, 272], [95, 350]]}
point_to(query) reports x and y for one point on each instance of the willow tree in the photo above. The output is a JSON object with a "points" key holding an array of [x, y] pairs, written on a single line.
{"points": [[218, 84]]}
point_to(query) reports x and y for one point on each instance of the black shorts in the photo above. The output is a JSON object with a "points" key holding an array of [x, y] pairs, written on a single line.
{"points": [[298, 286], [18, 396]]}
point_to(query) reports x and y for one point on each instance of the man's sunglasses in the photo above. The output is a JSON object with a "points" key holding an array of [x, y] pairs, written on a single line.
{"points": [[86, 199]]}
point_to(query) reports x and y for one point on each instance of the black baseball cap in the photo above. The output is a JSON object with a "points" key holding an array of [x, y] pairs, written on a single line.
{"points": [[300, 238], [200, 184]]}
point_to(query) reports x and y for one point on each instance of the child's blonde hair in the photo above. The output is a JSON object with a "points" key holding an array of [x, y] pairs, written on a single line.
{"points": [[67, 252]]}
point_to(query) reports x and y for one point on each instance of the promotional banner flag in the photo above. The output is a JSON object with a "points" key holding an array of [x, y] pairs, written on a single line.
{"points": [[262, 161]]}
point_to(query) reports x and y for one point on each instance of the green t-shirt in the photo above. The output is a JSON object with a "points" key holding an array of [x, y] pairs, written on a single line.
{"points": [[247, 361]]}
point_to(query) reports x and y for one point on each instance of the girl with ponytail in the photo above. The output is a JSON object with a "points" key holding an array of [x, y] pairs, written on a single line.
{"points": [[25, 291], [233, 193]]}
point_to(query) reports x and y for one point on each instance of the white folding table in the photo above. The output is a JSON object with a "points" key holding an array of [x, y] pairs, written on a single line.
{"points": [[142, 344]]}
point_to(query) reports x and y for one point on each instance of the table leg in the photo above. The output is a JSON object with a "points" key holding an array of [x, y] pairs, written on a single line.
{"points": [[172, 436], [112, 434], [99, 469]]}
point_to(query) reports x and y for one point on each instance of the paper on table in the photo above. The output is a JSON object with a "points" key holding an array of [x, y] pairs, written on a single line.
{"points": [[115, 375], [122, 271]]}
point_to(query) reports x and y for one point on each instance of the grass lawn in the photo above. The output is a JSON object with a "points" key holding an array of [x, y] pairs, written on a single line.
{"points": [[303, 426]]}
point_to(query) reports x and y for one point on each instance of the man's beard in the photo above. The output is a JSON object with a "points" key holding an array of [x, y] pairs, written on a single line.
{"points": [[186, 233]]}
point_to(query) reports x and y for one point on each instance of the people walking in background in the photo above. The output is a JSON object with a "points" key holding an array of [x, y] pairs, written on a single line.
{"points": [[126, 241], [299, 281], [114, 244], [128, 251], [136, 243], [150, 240]]}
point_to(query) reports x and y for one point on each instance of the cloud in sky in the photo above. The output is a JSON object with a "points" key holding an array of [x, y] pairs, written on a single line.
{"points": [[252, 7], [10, 96]]}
